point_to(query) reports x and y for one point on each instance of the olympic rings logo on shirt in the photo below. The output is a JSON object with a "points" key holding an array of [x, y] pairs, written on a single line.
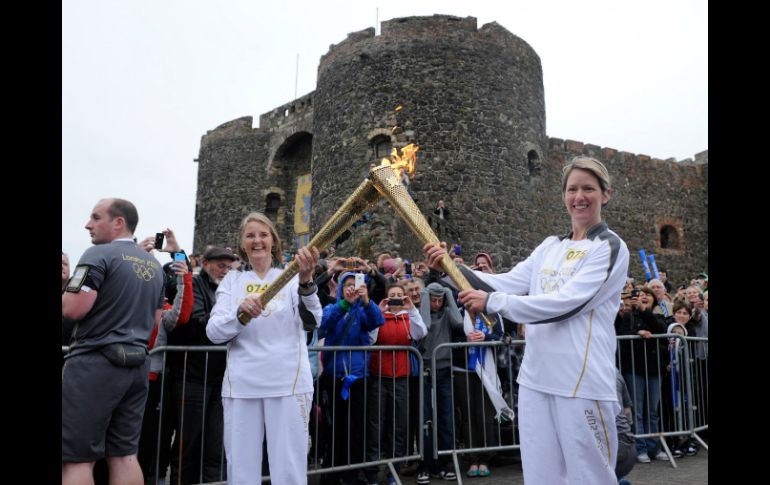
{"points": [[143, 272]]}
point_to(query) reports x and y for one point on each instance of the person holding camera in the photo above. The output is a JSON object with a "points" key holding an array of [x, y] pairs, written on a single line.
{"points": [[642, 362], [346, 323], [387, 405], [567, 293], [116, 295], [196, 380], [268, 388], [179, 291]]}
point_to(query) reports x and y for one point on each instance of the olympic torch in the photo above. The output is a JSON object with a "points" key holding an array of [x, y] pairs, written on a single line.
{"points": [[387, 181], [383, 180]]}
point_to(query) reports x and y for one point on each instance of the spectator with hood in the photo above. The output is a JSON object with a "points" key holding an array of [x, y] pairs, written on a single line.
{"points": [[346, 323], [441, 315]]}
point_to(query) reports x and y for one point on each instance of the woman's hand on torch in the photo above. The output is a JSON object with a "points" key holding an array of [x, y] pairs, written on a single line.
{"points": [[434, 253], [475, 301], [251, 305], [307, 259]]}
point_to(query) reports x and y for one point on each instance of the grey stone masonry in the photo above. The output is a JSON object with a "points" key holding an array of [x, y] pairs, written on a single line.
{"points": [[473, 100]]}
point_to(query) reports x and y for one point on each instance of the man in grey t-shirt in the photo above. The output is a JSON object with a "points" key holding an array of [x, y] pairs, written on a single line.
{"points": [[116, 297]]}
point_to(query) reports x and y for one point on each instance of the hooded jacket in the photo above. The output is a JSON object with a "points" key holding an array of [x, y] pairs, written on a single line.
{"points": [[440, 325], [486, 256], [362, 319]]}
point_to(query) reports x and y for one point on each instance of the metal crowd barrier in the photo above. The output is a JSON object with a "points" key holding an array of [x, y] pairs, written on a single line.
{"points": [[319, 462], [326, 456], [682, 412], [469, 398], [678, 382]]}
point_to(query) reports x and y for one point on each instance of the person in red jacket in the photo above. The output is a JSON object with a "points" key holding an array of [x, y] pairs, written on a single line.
{"points": [[160, 417], [389, 371]]}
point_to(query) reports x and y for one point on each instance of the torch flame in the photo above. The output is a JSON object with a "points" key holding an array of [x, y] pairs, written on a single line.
{"points": [[406, 160]]}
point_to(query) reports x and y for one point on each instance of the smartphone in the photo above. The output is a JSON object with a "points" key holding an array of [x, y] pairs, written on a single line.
{"points": [[350, 264], [359, 280], [159, 236], [395, 302], [634, 293], [179, 257]]}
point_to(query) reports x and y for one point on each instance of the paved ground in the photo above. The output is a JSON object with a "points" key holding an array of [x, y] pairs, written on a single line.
{"points": [[691, 470]]}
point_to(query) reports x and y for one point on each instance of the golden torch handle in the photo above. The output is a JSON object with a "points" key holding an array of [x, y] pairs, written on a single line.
{"points": [[364, 197], [389, 184]]}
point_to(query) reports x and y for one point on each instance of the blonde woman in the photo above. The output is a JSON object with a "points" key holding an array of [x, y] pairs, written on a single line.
{"points": [[567, 293], [267, 386]]}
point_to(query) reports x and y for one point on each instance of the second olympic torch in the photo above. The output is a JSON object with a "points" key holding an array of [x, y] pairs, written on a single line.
{"points": [[388, 183], [364, 197]]}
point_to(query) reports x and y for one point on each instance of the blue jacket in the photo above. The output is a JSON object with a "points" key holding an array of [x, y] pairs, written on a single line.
{"points": [[335, 319]]}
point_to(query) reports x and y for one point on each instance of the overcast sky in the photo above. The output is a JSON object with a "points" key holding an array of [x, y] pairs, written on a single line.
{"points": [[142, 81]]}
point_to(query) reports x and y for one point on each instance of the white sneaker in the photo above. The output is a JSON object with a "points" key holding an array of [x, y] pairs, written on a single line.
{"points": [[662, 456], [642, 458]]}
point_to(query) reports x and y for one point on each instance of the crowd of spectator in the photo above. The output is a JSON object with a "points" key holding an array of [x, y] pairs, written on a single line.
{"points": [[365, 401]]}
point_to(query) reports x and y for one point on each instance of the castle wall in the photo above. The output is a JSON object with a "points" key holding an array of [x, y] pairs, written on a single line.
{"points": [[473, 101], [231, 170]]}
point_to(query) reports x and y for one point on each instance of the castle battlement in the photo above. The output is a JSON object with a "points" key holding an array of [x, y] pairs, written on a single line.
{"points": [[287, 113], [428, 28], [236, 128], [574, 148]]}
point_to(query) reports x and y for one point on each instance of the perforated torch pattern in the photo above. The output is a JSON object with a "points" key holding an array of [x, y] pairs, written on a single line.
{"points": [[389, 185], [364, 197]]}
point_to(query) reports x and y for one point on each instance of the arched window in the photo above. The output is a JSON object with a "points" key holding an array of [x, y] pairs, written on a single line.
{"points": [[533, 163], [382, 147], [272, 204], [669, 238]]}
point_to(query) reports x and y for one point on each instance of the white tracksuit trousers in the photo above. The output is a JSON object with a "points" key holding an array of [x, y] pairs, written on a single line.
{"points": [[567, 441], [286, 420]]}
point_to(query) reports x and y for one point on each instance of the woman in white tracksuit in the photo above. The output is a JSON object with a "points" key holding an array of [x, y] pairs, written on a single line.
{"points": [[267, 387], [567, 292]]}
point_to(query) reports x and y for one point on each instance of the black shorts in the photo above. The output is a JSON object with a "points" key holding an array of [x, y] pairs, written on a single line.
{"points": [[101, 408]]}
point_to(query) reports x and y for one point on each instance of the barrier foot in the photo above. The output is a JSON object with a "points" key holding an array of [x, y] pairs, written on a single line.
{"points": [[668, 452], [702, 443], [393, 473], [458, 471]]}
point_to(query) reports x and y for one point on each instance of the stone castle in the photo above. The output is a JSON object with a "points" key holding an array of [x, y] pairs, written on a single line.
{"points": [[473, 100]]}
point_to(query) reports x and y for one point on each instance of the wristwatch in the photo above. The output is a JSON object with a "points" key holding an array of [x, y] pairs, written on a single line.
{"points": [[306, 289]]}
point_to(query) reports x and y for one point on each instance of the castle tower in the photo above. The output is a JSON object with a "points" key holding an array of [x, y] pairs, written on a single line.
{"points": [[472, 100]]}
